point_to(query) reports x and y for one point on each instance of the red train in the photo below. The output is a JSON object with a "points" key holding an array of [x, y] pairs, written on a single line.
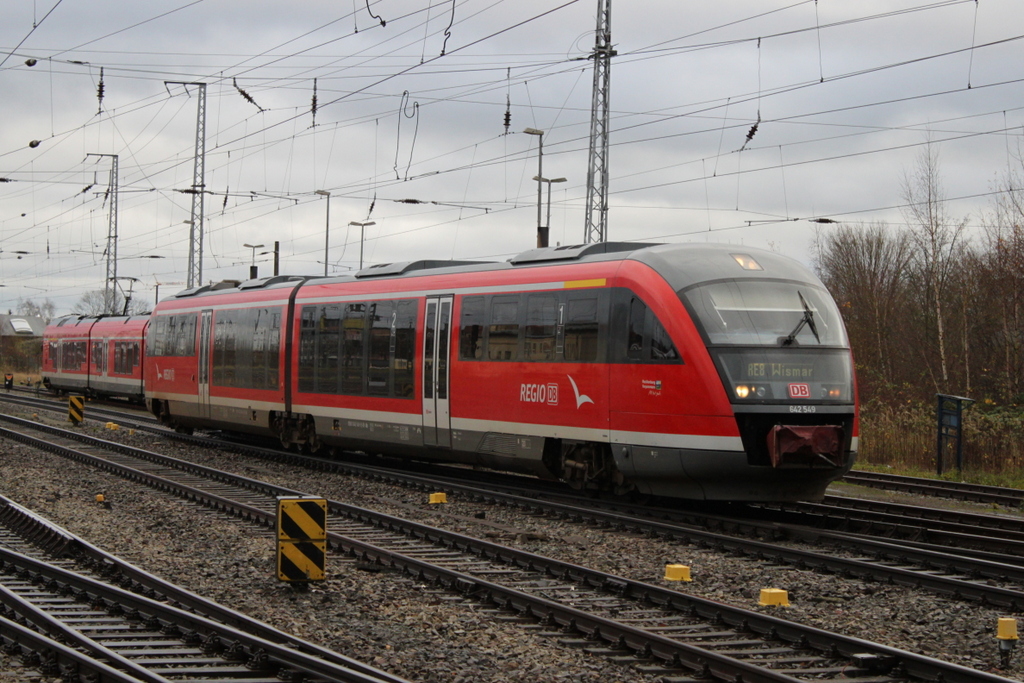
{"points": [[693, 371], [96, 355]]}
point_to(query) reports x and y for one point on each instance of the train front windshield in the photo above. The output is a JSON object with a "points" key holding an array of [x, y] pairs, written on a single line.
{"points": [[775, 341]]}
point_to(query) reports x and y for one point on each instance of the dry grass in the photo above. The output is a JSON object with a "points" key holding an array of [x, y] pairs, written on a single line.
{"points": [[903, 438]]}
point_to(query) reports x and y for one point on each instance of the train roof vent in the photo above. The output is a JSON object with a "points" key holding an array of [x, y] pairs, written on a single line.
{"points": [[267, 281], [572, 252], [383, 269], [223, 284]]}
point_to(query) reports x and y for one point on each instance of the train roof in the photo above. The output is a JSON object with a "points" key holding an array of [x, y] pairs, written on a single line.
{"points": [[681, 264], [74, 319], [688, 264]]}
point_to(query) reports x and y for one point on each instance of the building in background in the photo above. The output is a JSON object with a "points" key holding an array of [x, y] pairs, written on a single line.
{"points": [[21, 343]]}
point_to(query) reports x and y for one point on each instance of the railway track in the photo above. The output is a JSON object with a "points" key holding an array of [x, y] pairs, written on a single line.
{"points": [[978, 493], [29, 535], [675, 634], [134, 418], [937, 554]]}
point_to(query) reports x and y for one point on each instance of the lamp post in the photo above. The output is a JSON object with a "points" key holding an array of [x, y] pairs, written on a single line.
{"points": [[362, 228], [252, 268], [327, 226], [542, 240], [542, 236]]}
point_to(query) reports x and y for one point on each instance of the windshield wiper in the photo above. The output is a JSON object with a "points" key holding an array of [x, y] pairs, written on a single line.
{"points": [[807, 319]]}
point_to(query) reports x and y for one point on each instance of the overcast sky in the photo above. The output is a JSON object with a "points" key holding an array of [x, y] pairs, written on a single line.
{"points": [[846, 94]]}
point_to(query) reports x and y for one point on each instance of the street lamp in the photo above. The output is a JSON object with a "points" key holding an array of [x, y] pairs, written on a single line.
{"points": [[252, 268], [542, 237], [327, 227], [362, 228], [541, 234]]}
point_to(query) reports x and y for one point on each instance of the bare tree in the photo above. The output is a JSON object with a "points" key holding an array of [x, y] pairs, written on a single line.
{"points": [[45, 310], [865, 268], [95, 303], [1003, 272], [938, 239], [91, 303]]}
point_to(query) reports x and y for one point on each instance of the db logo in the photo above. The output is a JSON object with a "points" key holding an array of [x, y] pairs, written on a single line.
{"points": [[799, 391]]}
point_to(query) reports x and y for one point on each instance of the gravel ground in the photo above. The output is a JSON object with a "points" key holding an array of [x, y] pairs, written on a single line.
{"points": [[424, 635]]}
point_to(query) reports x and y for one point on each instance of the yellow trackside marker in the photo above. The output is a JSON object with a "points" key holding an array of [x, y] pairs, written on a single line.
{"points": [[301, 519], [303, 561], [100, 498], [76, 409], [1007, 637], [438, 498], [677, 572], [576, 284], [1007, 629], [301, 539], [774, 597]]}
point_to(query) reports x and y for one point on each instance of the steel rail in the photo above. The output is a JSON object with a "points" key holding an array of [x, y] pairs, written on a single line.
{"points": [[56, 659], [990, 566], [938, 487], [167, 617], [50, 626], [112, 569], [998, 524], [599, 628], [956, 587], [138, 419]]}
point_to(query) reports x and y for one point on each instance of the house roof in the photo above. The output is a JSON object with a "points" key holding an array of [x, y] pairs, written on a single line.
{"points": [[21, 326]]}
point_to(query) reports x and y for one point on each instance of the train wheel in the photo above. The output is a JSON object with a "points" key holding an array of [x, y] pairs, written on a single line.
{"points": [[590, 467]]}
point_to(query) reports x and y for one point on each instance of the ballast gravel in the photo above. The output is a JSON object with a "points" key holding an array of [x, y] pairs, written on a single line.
{"points": [[423, 633]]}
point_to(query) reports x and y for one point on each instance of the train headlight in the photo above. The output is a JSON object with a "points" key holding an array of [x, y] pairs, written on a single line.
{"points": [[742, 391], [832, 392], [761, 391]]}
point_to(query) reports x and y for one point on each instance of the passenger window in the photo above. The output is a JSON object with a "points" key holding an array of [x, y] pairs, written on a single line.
{"points": [[503, 335], [541, 319], [581, 330], [635, 332], [307, 348], [471, 328], [661, 345], [443, 334], [405, 348], [382, 322], [354, 349], [328, 340]]}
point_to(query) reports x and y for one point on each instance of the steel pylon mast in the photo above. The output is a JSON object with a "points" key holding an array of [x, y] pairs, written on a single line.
{"points": [[198, 190], [596, 228], [110, 283]]}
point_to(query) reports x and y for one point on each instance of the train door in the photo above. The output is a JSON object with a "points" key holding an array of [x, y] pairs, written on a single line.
{"points": [[206, 318], [436, 352]]}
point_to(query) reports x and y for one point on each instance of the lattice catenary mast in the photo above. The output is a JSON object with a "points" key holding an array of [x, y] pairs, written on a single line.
{"points": [[198, 190], [110, 284], [596, 228]]}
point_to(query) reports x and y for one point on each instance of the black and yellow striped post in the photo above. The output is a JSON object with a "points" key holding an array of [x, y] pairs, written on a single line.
{"points": [[301, 539], [76, 409]]}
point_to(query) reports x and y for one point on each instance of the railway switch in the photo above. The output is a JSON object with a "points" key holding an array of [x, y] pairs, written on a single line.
{"points": [[301, 539], [436, 498], [677, 572], [774, 597]]}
